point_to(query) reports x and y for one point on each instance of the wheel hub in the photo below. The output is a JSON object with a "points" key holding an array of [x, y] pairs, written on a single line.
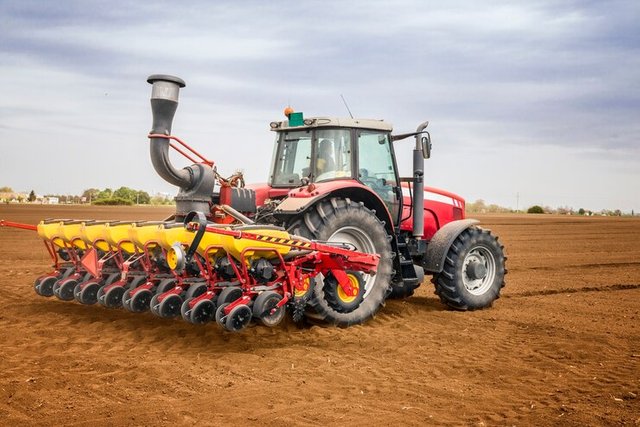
{"points": [[476, 270]]}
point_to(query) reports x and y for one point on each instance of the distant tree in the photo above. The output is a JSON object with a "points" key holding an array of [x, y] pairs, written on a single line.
{"points": [[476, 207], [32, 196], [90, 194], [160, 200], [121, 196], [581, 211], [564, 210], [535, 209], [6, 190], [143, 198], [617, 212], [125, 193], [113, 201], [107, 193]]}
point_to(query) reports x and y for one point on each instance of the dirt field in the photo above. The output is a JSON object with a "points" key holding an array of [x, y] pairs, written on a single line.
{"points": [[561, 347]]}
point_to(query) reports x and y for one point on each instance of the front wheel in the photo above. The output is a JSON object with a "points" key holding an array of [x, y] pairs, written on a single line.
{"points": [[473, 273]]}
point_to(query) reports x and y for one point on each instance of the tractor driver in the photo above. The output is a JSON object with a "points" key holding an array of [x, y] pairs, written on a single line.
{"points": [[325, 162]]}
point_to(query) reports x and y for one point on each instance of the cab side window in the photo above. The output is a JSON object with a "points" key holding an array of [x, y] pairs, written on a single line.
{"points": [[333, 152], [375, 166]]}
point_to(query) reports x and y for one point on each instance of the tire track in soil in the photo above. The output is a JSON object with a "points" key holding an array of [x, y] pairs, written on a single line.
{"points": [[541, 361], [602, 288], [576, 266]]}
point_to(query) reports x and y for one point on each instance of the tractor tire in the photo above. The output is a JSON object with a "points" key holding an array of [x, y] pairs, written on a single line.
{"points": [[473, 273], [343, 220], [400, 290]]}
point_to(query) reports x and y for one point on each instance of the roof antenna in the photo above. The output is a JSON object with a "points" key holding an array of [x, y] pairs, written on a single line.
{"points": [[346, 105]]}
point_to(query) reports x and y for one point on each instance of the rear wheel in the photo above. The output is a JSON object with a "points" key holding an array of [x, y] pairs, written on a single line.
{"points": [[170, 306], [473, 273], [238, 318], [342, 220], [111, 278], [204, 311], [229, 295], [140, 301], [87, 293], [44, 286], [113, 296], [338, 299], [65, 289], [195, 290], [165, 285], [154, 305], [264, 305], [220, 316]]}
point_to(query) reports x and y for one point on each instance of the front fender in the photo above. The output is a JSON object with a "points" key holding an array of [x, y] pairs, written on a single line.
{"points": [[441, 242]]}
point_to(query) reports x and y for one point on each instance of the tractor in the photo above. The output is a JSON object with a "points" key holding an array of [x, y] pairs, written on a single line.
{"points": [[330, 236], [336, 181]]}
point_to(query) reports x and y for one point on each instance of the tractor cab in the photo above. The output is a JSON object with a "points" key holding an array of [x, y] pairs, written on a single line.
{"points": [[321, 149]]}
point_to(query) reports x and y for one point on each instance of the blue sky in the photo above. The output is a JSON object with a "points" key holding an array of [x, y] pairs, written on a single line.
{"points": [[536, 98]]}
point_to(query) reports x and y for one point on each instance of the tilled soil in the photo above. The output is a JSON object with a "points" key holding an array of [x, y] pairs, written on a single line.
{"points": [[561, 347]]}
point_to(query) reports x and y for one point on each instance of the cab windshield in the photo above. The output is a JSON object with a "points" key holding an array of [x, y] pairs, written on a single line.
{"points": [[330, 150]]}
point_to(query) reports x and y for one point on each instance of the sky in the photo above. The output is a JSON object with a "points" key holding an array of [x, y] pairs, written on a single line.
{"points": [[531, 102]]}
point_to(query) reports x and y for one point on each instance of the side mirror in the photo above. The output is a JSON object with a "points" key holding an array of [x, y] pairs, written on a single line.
{"points": [[425, 141]]}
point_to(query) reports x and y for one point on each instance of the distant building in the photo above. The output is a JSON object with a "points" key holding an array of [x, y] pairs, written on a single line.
{"points": [[51, 200]]}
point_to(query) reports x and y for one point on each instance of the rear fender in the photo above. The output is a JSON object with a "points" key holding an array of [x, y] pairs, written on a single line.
{"points": [[299, 200], [441, 242]]}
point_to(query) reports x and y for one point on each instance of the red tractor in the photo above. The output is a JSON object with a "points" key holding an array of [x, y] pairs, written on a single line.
{"points": [[336, 180]]}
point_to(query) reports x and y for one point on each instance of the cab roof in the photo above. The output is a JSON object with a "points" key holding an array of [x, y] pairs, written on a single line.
{"points": [[322, 122]]}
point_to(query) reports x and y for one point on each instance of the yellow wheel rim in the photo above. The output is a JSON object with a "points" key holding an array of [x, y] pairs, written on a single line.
{"points": [[301, 292], [355, 284], [172, 259]]}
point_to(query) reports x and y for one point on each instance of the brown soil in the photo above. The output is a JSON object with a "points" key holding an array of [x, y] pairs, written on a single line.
{"points": [[562, 346]]}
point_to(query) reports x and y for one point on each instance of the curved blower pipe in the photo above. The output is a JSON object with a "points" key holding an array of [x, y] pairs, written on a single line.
{"points": [[164, 103], [418, 184], [197, 181]]}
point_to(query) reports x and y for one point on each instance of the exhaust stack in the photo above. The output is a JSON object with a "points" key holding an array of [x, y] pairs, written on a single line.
{"points": [[418, 184], [196, 182]]}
